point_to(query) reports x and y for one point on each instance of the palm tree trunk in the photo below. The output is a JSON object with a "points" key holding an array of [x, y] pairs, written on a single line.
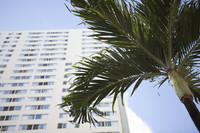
{"points": [[185, 95], [192, 110]]}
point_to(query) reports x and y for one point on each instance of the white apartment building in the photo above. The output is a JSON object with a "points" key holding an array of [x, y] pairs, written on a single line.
{"points": [[33, 65]]}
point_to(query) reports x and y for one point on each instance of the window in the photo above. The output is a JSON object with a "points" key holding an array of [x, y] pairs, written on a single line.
{"points": [[20, 84], [34, 116], [2, 66], [45, 77], [10, 38], [41, 90], [32, 45], [12, 46], [91, 48], [68, 64], [65, 89], [4, 100], [46, 65], [10, 108], [5, 60], [7, 128], [16, 37], [34, 41], [10, 50], [109, 113], [107, 124], [9, 117], [22, 71], [92, 43], [13, 92], [60, 36], [20, 77], [27, 60], [105, 104], [60, 40], [24, 65], [51, 59], [62, 125], [35, 37], [4, 46], [54, 49], [1, 72], [14, 41], [6, 42], [2, 50], [48, 98], [88, 32], [61, 44], [32, 127], [13, 84], [36, 33], [52, 54], [88, 39], [36, 107], [8, 55], [28, 55], [106, 113], [74, 125], [63, 115], [29, 50], [57, 32], [42, 83], [88, 53], [85, 35], [47, 45], [45, 70]]}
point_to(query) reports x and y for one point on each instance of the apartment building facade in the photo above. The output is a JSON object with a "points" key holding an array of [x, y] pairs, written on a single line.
{"points": [[33, 69]]}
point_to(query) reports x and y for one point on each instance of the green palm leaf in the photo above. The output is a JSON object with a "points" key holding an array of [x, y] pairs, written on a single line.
{"points": [[149, 39], [111, 72]]}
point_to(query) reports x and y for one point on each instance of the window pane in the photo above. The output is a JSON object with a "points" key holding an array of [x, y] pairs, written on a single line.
{"points": [[29, 127], [59, 125], [38, 117], [22, 127], [35, 127], [42, 126]]}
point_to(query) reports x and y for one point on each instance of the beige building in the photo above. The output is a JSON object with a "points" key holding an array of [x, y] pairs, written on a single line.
{"points": [[33, 65]]}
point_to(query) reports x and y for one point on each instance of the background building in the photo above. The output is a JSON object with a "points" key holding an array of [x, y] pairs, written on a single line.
{"points": [[33, 65]]}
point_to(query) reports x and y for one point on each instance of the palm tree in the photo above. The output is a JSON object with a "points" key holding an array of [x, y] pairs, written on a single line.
{"points": [[155, 40]]}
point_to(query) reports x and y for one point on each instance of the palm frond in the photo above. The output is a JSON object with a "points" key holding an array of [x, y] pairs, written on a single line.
{"points": [[118, 25], [150, 39], [187, 35], [111, 72]]}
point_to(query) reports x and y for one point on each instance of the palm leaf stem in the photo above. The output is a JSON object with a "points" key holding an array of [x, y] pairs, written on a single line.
{"points": [[152, 56], [170, 42], [172, 16], [145, 75], [124, 79], [134, 77]]}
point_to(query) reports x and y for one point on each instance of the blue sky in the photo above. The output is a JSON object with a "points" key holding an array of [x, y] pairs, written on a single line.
{"points": [[155, 110]]}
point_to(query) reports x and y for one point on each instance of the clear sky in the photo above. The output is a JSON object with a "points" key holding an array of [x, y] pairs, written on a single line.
{"points": [[150, 110]]}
